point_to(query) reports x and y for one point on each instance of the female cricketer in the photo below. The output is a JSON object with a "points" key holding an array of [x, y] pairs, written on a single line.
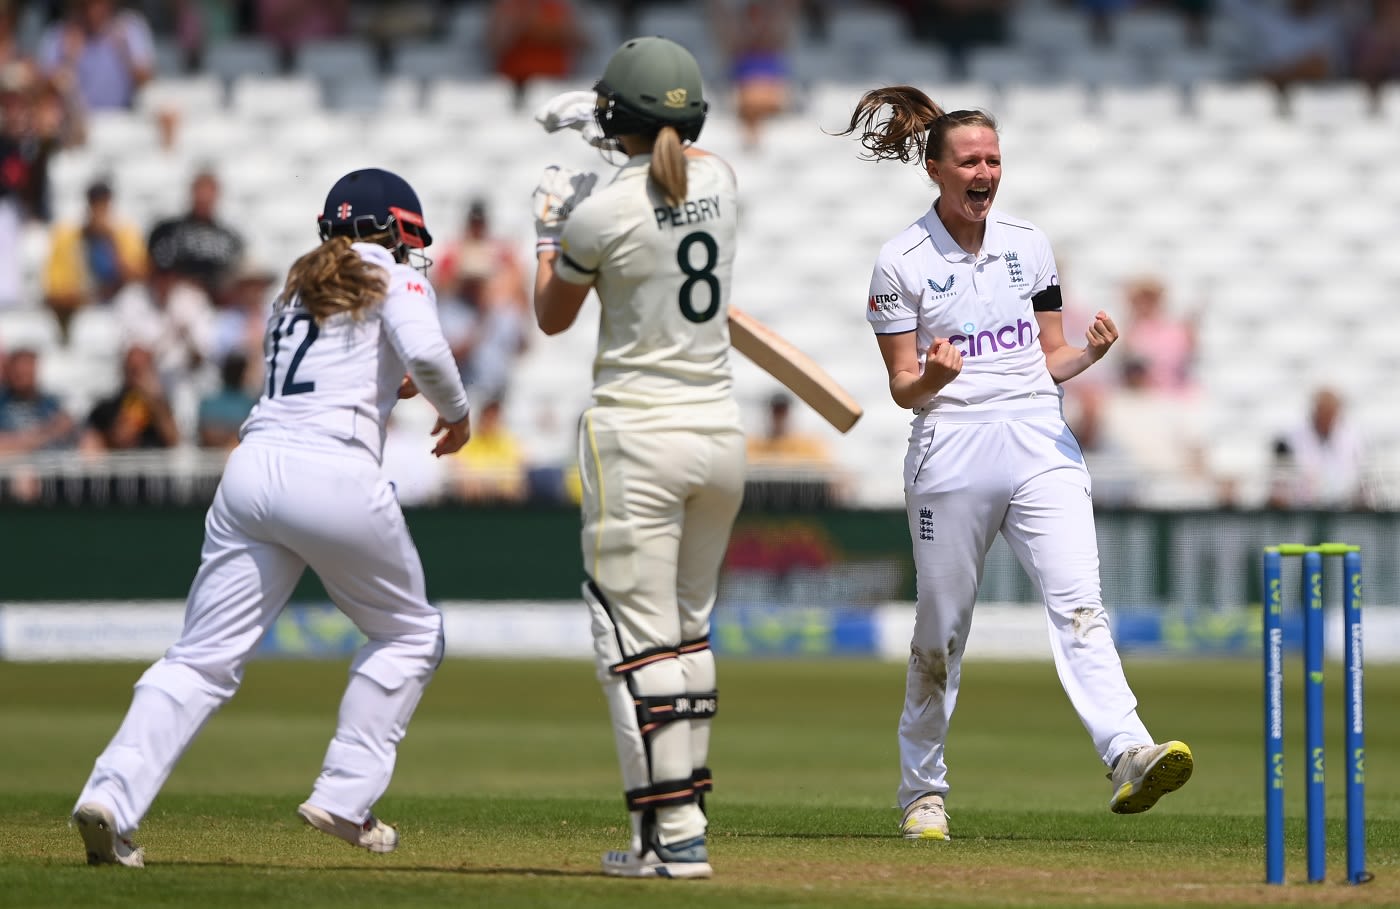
{"points": [[965, 304], [304, 488], [661, 451]]}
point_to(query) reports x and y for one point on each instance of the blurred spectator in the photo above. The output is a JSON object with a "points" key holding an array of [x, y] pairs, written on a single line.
{"points": [[1321, 463], [788, 467], [756, 38], [197, 24], [1161, 343], [30, 420], [11, 41], [240, 321], [197, 245], [484, 306], [1198, 14], [138, 415], [1292, 41], [25, 147], [492, 467], [174, 320], [222, 413], [106, 51], [1159, 439], [959, 25], [1103, 12], [291, 23], [481, 264], [779, 446], [92, 261], [534, 39], [392, 22], [1376, 50]]}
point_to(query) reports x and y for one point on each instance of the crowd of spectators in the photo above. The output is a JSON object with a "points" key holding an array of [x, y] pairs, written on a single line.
{"points": [[188, 305]]}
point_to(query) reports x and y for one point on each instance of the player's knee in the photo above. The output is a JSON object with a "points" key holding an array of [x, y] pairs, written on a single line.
{"points": [[698, 664], [184, 680], [393, 663]]}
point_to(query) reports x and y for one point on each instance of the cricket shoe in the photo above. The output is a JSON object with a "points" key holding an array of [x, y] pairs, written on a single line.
{"points": [[686, 859], [1146, 773], [105, 846], [373, 834], [925, 819]]}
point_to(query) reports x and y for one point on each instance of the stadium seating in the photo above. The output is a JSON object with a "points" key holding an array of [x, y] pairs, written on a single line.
{"points": [[1136, 156]]}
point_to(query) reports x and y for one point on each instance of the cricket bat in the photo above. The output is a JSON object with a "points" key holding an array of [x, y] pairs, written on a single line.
{"points": [[790, 366]]}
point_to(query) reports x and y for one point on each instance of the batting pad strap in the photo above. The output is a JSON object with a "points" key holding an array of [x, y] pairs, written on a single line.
{"points": [[695, 646], [656, 710], [703, 780], [645, 658], [661, 795]]}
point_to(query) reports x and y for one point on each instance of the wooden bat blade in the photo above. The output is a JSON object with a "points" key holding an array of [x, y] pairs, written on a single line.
{"points": [[798, 372]]}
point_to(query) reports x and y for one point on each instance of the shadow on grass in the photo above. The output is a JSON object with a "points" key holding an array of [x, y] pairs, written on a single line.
{"points": [[391, 869]]}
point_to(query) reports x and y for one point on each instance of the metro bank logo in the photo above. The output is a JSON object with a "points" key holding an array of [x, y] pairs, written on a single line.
{"points": [[1008, 337], [882, 302]]}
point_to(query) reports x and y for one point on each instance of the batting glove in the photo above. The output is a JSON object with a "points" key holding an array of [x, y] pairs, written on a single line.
{"points": [[560, 191], [573, 110]]}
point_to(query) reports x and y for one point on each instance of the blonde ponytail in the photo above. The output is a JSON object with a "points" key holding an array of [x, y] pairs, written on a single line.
{"points": [[668, 166], [332, 278]]}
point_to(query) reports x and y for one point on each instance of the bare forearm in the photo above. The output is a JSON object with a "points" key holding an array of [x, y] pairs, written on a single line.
{"points": [[906, 389], [1067, 362], [556, 301]]}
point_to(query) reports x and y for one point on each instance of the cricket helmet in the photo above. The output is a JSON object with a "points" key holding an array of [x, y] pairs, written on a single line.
{"points": [[649, 83], [371, 202]]}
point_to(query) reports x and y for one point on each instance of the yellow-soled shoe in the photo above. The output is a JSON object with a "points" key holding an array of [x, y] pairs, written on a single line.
{"points": [[1148, 772], [925, 819]]}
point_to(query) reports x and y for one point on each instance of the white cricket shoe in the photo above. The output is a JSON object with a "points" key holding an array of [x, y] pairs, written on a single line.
{"points": [[1146, 773], [686, 859], [105, 846], [373, 834], [925, 819]]}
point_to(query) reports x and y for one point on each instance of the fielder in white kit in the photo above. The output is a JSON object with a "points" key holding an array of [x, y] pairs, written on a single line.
{"points": [[661, 451], [354, 329], [965, 304]]}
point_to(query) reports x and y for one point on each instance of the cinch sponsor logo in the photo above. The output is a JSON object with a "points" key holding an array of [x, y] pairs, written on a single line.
{"points": [[1008, 337], [883, 302]]}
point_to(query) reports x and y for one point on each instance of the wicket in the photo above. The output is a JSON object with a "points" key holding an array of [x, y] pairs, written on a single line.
{"points": [[1312, 586]]}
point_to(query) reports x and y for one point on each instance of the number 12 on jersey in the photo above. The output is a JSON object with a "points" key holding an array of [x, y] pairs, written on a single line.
{"points": [[282, 330]]}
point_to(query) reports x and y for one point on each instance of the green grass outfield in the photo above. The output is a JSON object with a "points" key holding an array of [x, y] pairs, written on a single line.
{"points": [[506, 794]]}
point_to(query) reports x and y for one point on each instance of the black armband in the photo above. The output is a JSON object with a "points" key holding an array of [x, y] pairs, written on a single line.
{"points": [[572, 263], [1048, 300]]}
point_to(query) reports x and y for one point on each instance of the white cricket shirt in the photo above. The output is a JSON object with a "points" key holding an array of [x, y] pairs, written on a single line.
{"points": [[663, 275], [333, 384], [982, 303]]}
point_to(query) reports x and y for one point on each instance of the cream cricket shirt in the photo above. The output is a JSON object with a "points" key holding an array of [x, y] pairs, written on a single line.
{"points": [[663, 274], [924, 282]]}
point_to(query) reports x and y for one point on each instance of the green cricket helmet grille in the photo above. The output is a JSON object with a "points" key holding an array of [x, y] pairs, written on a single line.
{"points": [[650, 83]]}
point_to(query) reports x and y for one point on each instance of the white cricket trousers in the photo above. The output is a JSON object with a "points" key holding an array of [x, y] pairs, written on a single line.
{"points": [[964, 483], [278, 510]]}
